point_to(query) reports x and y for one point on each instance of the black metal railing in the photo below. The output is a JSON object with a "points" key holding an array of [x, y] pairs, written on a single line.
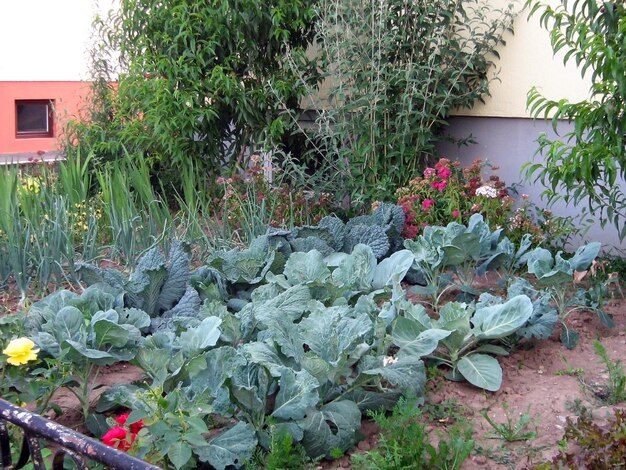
{"points": [[71, 444]]}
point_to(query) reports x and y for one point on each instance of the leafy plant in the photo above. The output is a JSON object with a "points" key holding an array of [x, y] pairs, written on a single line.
{"points": [[212, 109], [404, 443], [87, 333], [465, 347], [395, 70], [615, 389], [557, 275], [585, 166], [590, 445], [509, 430], [466, 251], [158, 286]]}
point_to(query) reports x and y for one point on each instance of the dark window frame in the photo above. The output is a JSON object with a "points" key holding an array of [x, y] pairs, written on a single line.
{"points": [[33, 135]]}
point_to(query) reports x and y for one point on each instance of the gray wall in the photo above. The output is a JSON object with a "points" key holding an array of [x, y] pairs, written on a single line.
{"points": [[509, 143]]}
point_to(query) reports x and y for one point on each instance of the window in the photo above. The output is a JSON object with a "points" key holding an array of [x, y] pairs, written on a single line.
{"points": [[33, 118]]}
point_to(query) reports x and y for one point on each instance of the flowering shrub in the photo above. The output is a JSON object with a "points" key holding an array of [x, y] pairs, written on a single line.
{"points": [[448, 193], [278, 203], [122, 437]]}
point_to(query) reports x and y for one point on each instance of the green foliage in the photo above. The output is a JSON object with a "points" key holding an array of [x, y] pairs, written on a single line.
{"points": [[590, 445], [556, 275], [510, 430], [194, 80], [464, 250], [284, 454], [465, 345], [404, 443], [616, 385], [395, 70], [587, 164], [86, 333]]}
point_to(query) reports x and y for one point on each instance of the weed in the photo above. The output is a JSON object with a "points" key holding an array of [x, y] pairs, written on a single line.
{"points": [[614, 391], [446, 412], [509, 430], [569, 370], [404, 443], [575, 407]]}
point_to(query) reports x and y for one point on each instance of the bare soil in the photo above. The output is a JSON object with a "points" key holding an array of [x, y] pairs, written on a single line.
{"points": [[538, 378]]}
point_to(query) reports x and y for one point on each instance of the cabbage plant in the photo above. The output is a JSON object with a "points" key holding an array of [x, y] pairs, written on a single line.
{"points": [[86, 332], [556, 275], [466, 347]]}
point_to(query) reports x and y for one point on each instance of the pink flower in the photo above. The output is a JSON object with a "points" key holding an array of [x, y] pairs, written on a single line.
{"points": [[427, 204], [439, 185], [220, 180], [429, 172], [444, 172], [455, 214]]}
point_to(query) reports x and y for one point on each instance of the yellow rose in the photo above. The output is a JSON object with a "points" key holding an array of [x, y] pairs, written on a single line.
{"points": [[20, 351]]}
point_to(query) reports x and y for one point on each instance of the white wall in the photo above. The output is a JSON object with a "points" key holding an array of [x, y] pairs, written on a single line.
{"points": [[47, 40], [527, 60]]}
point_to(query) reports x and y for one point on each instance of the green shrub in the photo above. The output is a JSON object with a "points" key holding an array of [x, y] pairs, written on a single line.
{"points": [[586, 165], [395, 70]]}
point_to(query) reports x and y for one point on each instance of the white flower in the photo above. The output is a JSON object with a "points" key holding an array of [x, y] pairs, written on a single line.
{"points": [[389, 360], [487, 191]]}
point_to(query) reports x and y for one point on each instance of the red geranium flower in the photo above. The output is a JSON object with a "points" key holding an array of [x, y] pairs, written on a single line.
{"points": [[118, 437], [134, 428]]}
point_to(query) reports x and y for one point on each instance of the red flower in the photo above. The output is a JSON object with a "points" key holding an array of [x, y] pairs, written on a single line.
{"points": [[455, 214], [427, 203], [134, 428], [118, 437]]}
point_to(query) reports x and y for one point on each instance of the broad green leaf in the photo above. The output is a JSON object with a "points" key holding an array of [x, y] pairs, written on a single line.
{"points": [[356, 270], [265, 355], [297, 393], [305, 268], [392, 269], [331, 333], [68, 324], [320, 438], [232, 447], [569, 337], [205, 335], [501, 320], [179, 453], [79, 352], [407, 373], [584, 256], [412, 340], [482, 371], [110, 333]]}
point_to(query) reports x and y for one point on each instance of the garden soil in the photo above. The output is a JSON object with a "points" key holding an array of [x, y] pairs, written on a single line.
{"points": [[542, 379]]}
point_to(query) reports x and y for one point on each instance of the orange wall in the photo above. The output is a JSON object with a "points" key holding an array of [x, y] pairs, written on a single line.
{"points": [[69, 98]]}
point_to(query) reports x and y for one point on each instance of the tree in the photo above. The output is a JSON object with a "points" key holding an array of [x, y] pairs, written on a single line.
{"points": [[194, 79], [589, 163]]}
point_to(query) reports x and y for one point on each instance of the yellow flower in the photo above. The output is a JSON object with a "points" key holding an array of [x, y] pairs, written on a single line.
{"points": [[31, 185], [20, 351]]}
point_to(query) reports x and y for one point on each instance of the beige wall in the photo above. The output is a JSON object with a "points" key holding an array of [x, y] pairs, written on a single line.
{"points": [[526, 61]]}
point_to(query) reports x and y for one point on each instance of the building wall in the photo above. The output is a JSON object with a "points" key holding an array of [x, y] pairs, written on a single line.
{"points": [[68, 97]]}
